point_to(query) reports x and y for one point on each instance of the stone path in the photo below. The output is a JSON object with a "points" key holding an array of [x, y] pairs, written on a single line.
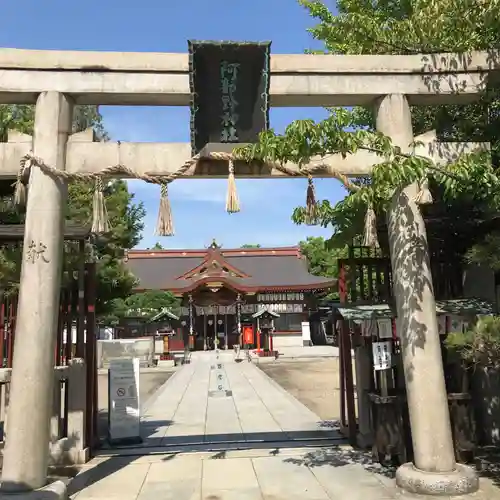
{"points": [[235, 436], [189, 409]]}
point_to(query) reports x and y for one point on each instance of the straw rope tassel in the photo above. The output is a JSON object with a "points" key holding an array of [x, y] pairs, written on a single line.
{"points": [[424, 196], [21, 189], [100, 222], [232, 201], [370, 236], [164, 224], [311, 205]]}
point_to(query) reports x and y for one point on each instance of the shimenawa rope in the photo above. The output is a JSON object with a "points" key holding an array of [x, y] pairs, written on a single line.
{"points": [[164, 226]]}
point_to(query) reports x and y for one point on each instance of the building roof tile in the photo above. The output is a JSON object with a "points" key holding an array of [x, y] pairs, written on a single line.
{"points": [[263, 268]]}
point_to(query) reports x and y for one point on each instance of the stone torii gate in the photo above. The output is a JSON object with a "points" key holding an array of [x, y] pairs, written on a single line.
{"points": [[57, 80]]}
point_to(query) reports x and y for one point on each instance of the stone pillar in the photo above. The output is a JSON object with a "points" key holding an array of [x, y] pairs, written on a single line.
{"points": [[77, 409], [26, 451], [434, 470]]}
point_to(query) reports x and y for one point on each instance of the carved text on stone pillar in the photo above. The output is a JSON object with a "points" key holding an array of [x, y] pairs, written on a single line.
{"points": [[36, 251]]}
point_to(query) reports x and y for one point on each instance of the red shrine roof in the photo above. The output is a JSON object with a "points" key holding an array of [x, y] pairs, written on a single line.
{"points": [[242, 269]]}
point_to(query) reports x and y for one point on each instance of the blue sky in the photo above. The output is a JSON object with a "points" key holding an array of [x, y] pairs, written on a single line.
{"points": [[165, 26]]}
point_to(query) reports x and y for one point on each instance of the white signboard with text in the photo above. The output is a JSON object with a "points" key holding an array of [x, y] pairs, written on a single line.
{"points": [[384, 328], [382, 355], [123, 398], [306, 333]]}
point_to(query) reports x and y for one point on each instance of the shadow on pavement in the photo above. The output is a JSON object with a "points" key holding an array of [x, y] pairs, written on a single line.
{"points": [[339, 456]]}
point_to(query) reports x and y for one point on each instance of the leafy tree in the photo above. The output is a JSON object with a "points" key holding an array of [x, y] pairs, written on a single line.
{"points": [[250, 245], [419, 26], [144, 304], [321, 260], [113, 279], [157, 246], [469, 176], [153, 301]]}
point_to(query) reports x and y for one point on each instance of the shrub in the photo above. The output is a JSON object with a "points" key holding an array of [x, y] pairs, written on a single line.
{"points": [[478, 345]]}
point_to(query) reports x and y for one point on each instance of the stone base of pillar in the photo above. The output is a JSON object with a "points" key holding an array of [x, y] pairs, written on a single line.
{"points": [[55, 491], [462, 481], [364, 441]]}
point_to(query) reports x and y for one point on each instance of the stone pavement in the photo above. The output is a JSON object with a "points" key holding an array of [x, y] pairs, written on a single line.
{"points": [[229, 432], [189, 409]]}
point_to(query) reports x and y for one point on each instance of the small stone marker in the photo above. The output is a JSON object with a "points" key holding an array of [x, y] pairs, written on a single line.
{"points": [[219, 386]]}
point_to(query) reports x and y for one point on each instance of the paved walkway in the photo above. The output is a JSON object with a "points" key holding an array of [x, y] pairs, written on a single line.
{"points": [[190, 409], [220, 430]]}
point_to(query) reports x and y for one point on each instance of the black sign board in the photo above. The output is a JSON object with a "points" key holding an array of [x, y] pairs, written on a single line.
{"points": [[229, 92]]}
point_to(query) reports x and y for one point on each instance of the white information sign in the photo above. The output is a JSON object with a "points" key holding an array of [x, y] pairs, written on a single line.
{"points": [[384, 328], [382, 355], [306, 333], [441, 320], [123, 398]]}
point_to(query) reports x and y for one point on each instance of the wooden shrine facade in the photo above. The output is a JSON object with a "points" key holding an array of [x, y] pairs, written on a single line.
{"points": [[221, 289]]}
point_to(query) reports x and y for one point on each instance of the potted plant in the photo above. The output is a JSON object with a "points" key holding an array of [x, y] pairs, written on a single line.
{"points": [[479, 350]]}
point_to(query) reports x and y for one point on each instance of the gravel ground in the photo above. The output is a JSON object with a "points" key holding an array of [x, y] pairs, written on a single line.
{"points": [[315, 383]]}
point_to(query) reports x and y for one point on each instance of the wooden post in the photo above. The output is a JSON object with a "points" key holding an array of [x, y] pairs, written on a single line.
{"points": [[258, 335], [225, 331], [271, 337], [69, 322], [60, 327], [80, 327], [349, 385], [204, 331], [2, 331], [90, 357]]}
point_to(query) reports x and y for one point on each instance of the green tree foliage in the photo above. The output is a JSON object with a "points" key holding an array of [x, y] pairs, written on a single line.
{"points": [[114, 281], [416, 27], [321, 260], [157, 246], [154, 301], [409, 27], [469, 176], [125, 217], [143, 304]]}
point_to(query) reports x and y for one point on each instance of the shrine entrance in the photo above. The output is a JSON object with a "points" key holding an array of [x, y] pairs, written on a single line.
{"points": [[213, 308], [216, 327], [230, 87]]}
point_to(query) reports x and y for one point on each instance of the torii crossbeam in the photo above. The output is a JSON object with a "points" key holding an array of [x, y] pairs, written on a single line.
{"points": [[84, 156]]}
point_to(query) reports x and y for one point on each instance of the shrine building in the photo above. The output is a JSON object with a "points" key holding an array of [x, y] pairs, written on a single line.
{"points": [[220, 289]]}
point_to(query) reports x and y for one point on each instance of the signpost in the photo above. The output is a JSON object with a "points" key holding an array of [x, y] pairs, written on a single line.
{"points": [[382, 355], [306, 334], [124, 416]]}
